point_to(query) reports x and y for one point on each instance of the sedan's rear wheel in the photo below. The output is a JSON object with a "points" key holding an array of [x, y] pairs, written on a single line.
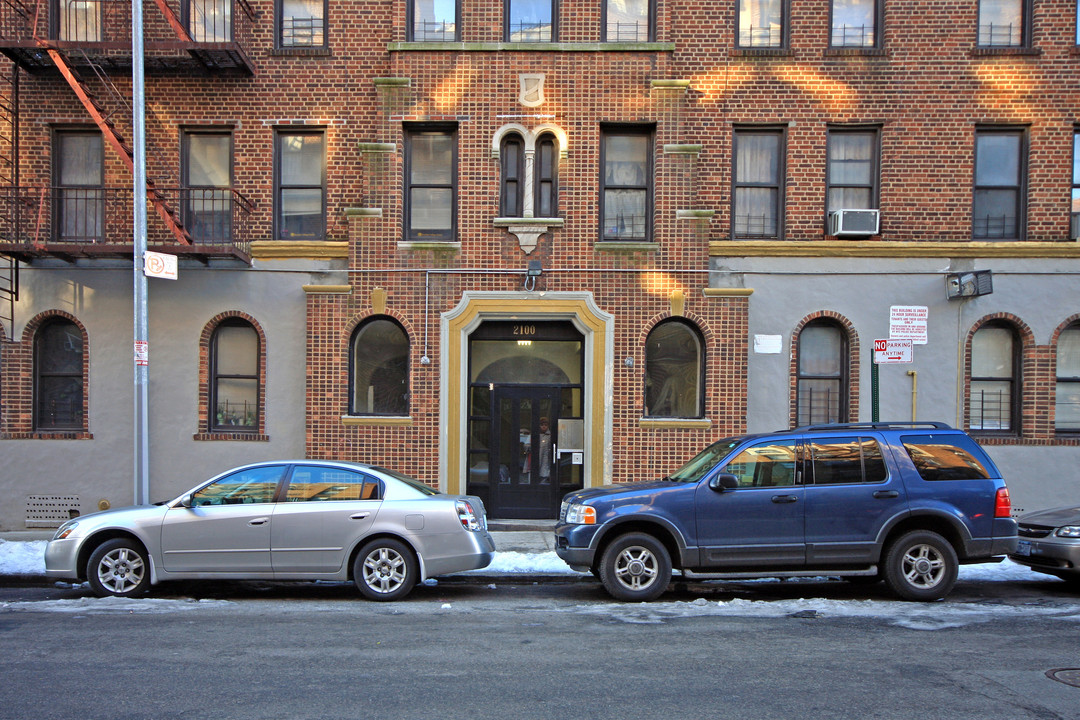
{"points": [[385, 569], [635, 567], [921, 565], [118, 568]]}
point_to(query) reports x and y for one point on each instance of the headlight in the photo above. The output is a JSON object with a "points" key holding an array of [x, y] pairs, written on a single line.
{"points": [[64, 530], [581, 515], [1069, 531]]}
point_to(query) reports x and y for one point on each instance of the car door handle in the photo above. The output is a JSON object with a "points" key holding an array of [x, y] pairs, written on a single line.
{"points": [[784, 498], [881, 494], [259, 521], [359, 516]]}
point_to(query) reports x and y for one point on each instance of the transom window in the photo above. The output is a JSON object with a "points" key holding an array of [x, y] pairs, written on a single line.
{"points": [[995, 378], [854, 24], [761, 23], [626, 183], [674, 371], [999, 185], [301, 23], [58, 376], [529, 20], [433, 20], [300, 175], [1067, 404], [628, 21], [234, 377], [758, 192], [380, 369], [821, 395]]}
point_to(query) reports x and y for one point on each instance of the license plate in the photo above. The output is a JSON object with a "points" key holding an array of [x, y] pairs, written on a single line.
{"points": [[1023, 547]]}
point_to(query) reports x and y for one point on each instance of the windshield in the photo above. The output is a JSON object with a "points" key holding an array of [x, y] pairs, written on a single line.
{"points": [[704, 461], [410, 481]]}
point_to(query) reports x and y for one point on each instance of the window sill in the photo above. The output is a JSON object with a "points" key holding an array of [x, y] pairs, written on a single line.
{"points": [[763, 52], [627, 246], [438, 245], [855, 52], [376, 420], [650, 423], [241, 437], [1010, 50], [531, 47], [48, 435], [301, 52]]}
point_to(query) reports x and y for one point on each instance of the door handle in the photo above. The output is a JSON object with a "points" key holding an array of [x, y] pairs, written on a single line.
{"points": [[259, 521], [359, 515], [784, 498], [881, 494]]}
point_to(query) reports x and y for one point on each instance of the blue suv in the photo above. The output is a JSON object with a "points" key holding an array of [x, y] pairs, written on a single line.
{"points": [[903, 502]]}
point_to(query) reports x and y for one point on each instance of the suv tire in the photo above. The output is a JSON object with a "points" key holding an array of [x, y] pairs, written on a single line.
{"points": [[920, 565], [635, 567]]}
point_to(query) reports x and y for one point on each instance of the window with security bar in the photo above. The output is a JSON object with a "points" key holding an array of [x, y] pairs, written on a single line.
{"points": [[433, 20], [529, 20], [1067, 403], [628, 21], [1000, 168], [855, 24], [758, 184], [301, 23], [995, 380], [822, 380]]}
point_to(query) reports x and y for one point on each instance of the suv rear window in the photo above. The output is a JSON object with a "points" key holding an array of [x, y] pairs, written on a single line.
{"points": [[940, 457]]}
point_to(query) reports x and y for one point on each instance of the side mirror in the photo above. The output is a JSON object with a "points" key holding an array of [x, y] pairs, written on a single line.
{"points": [[724, 482], [185, 501]]}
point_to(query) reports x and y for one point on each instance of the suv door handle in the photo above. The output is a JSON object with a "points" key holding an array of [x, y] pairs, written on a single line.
{"points": [[880, 494], [784, 498]]}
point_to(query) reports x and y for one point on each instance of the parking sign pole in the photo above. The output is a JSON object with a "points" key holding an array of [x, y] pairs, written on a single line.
{"points": [[142, 323], [873, 386]]}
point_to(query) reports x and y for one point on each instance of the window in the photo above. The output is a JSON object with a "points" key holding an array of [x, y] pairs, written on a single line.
{"points": [[995, 379], [852, 172], [768, 464], [628, 21], [1067, 406], [626, 184], [758, 193], [999, 185], [529, 20], [854, 24], [300, 181], [821, 395], [674, 371], [80, 176], [58, 376], [251, 485], [209, 20], [955, 457], [1004, 23], [234, 377], [430, 183], [206, 176], [513, 181], [1074, 218], [761, 23], [516, 164], [320, 484], [380, 369], [847, 460], [78, 20], [433, 20], [301, 23]]}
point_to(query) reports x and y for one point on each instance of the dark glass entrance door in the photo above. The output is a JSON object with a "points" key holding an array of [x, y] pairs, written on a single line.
{"points": [[523, 450]]}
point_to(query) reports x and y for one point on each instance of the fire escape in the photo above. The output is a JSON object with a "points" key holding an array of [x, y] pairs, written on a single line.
{"points": [[87, 43]]}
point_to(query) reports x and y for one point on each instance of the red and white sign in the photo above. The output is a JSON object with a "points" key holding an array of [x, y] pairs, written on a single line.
{"points": [[892, 350], [908, 322], [159, 265], [142, 352]]}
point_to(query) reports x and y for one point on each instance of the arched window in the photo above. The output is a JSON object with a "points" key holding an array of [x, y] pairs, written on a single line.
{"points": [[513, 178], [234, 378], [379, 370], [546, 187], [58, 376], [822, 373], [674, 371], [995, 379], [1067, 407]]}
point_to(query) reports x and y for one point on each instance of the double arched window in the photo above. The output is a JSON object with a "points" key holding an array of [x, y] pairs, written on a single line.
{"points": [[674, 371], [528, 183], [379, 369]]}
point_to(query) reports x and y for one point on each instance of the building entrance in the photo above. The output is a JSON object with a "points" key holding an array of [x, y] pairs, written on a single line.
{"points": [[525, 385]]}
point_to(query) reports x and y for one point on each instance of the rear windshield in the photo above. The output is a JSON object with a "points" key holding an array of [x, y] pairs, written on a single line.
{"points": [[947, 457]]}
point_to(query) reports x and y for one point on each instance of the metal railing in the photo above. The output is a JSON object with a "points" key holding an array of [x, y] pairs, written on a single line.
{"points": [[761, 37], [994, 226], [627, 32], [763, 226], [1008, 35], [991, 410], [818, 406], [39, 216], [303, 32], [853, 36], [530, 32], [434, 31]]}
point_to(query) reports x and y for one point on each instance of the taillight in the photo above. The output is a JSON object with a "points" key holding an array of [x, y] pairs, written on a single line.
{"points": [[1003, 506], [467, 516]]}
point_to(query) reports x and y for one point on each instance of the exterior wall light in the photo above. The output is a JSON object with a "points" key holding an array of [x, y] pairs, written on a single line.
{"points": [[534, 270], [969, 284]]}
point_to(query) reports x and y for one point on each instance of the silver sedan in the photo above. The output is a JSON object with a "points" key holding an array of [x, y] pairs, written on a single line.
{"points": [[1050, 542], [287, 520]]}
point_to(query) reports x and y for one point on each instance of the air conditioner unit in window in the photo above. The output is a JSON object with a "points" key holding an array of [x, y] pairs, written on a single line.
{"points": [[848, 223]]}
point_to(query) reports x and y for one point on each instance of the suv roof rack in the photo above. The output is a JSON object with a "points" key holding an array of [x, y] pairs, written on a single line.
{"points": [[876, 425]]}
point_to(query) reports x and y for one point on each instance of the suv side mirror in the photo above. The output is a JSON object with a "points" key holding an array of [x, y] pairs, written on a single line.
{"points": [[724, 482]]}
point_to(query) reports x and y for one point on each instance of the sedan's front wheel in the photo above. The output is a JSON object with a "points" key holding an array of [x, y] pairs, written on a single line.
{"points": [[118, 568], [635, 567], [385, 569]]}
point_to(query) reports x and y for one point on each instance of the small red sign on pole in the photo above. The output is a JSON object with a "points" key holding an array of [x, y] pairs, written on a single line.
{"points": [[888, 351]]}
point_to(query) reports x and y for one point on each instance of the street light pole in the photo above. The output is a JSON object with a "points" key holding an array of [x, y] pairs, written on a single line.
{"points": [[141, 310]]}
